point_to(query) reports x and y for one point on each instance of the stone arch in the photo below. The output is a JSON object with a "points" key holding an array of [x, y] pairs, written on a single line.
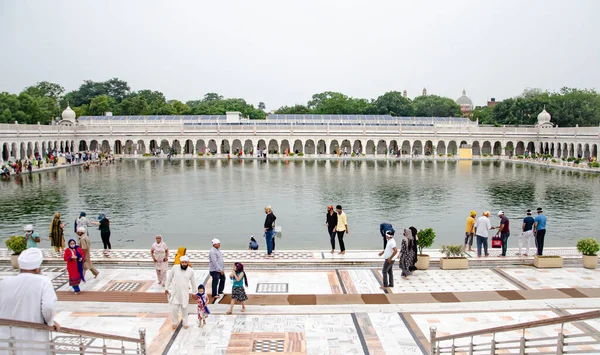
{"points": [[176, 145], [56, 146], [357, 146], [165, 146], [236, 146], [67, 146], [29, 151], [201, 146], [464, 144], [82, 146], [531, 148], [225, 148], [262, 145], [309, 147], [393, 147], [94, 145], [129, 148], [14, 151], [428, 148], [475, 148], [370, 147], [497, 148], [212, 146], [509, 149], [273, 147], [520, 149], [44, 149], [406, 147], [381, 147], [441, 148], [62, 146], [141, 146], [321, 147], [5, 152], [417, 148], [595, 151], [285, 146], [571, 150], [452, 148], [298, 147], [153, 146], [333, 147], [36, 148], [248, 147], [346, 147], [105, 147], [579, 151], [486, 148], [188, 147], [586, 151]]}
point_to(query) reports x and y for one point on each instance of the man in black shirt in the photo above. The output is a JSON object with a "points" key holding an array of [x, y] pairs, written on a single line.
{"points": [[269, 229], [331, 220]]}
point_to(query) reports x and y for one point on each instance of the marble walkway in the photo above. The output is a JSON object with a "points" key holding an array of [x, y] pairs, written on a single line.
{"points": [[330, 310]]}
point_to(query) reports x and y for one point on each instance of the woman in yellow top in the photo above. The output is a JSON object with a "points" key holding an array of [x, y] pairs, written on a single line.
{"points": [[180, 252], [470, 231]]}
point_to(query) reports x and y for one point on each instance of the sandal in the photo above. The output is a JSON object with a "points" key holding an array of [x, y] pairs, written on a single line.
{"points": [[228, 312]]}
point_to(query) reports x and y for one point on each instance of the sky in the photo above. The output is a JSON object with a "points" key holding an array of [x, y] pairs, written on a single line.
{"points": [[283, 52]]}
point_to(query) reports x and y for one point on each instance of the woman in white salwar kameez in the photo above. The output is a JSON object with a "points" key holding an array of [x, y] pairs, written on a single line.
{"points": [[160, 255]]}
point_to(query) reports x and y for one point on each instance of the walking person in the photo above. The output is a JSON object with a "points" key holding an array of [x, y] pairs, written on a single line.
{"points": [[539, 230], [470, 231], [383, 228], [216, 269], [57, 234], [181, 280], [160, 256], [482, 228], [269, 228], [388, 263], [86, 246], [331, 219], [104, 230], [32, 237], [28, 297], [503, 231], [527, 234], [413, 249], [82, 221], [341, 228], [203, 310], [74, 257], [406, 257], [238, 293]]}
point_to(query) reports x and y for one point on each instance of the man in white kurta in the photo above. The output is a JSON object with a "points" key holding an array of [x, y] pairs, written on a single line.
{"points": [[180, 279], [28, 297]]}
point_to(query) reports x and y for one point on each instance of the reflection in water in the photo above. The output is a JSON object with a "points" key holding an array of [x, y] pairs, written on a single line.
{"points": [[191, 202]]}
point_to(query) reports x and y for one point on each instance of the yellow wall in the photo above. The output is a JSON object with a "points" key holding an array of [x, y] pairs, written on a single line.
{"points": [[465, 153]]}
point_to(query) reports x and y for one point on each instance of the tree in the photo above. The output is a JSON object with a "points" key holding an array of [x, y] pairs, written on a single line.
{"points": [[392, 103], [100, 105], [337, 103], [435, 106], [116, 89], [261, 106], [47, 89], [292, 110], [132, 106], [211, 96]]}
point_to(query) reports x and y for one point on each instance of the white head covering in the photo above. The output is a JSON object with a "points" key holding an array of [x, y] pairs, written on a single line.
{"points": [[184, 258], [28, 228], [216, 241], [81, 229], [500, 213], [31, 259]]}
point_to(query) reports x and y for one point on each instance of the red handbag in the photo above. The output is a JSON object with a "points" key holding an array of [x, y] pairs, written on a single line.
{"points": [[496, 242]]}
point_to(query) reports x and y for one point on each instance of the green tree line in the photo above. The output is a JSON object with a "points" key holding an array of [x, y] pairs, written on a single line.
{"points": [[44, 101]]}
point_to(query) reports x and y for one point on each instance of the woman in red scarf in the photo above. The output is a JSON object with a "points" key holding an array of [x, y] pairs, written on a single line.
{"points": [[74, 257]]}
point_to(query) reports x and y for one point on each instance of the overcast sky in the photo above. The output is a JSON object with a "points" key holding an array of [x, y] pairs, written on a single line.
{"points": [[282, 52]]}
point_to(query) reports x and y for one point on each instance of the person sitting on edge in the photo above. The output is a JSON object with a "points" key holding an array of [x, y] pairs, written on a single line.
{"points": [[253, 245]]}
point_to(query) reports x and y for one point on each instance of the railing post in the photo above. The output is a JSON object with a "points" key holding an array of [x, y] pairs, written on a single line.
{"points": [[11, 345], [561, 341], [522, 344], [493, 345], [432, 341], [471, 347], [143, 340]]}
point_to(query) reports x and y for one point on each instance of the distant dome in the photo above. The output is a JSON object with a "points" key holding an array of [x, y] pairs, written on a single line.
{"points": [[544, 117], [68, 114], [464, 99]]}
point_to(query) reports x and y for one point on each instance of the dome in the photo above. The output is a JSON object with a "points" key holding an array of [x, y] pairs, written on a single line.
{"points": [[464, 99], [544, 117], [68, 114]]}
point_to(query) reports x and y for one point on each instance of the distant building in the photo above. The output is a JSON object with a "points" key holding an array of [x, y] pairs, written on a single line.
{"points": [[492, 102], [424, 92], [404, 94], [465, 103]]}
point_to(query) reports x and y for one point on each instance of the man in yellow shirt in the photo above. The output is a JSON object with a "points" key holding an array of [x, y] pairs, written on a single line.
{"points": [[341, 228], [469, 231]]}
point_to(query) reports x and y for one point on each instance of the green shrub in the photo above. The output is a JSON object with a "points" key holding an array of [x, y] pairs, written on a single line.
{"points": [[200, 154], [291, 154], [300, 154], [577, 161], [452, 251], [570, 159], [441, 155], [519, 157], [147, 154], [16, 244], [594, 164], [588, 246], [485, 155], [353, 154], [554, 160], [425, 239], [450, 154]]}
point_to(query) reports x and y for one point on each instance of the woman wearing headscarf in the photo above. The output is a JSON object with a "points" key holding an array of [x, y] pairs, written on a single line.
{"points": [[414, 248], [160, 255], [405, 258], [104, 230], [181, 251], [74, 257], [57, 234]]}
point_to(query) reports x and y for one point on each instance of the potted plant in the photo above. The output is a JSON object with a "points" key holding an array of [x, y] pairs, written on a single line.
{"points": [[425, 239], [548, 261], [589, 247], [17, 245], [454, 259]]}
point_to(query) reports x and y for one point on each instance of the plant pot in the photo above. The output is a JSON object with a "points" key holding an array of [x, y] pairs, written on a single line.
{"points": [[454, 263], [543, 262], [589, 261], [14, 260], [422, 262]]}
